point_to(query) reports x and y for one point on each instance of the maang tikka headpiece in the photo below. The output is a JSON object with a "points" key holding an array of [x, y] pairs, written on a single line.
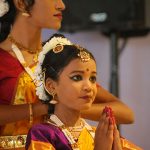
{"points": [[84, 56]]}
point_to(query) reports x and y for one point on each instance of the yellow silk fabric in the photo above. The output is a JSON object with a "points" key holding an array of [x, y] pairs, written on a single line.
{"points": [[24, 93], [127, 145], [37, 145], [85, 140]]}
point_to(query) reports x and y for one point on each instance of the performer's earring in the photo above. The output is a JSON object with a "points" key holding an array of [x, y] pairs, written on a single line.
{"points": [[53, 94], [50, 91], [25, 13], [53, 101]]}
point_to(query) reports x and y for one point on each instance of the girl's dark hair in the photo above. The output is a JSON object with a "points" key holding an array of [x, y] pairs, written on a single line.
{"points": [[8, 19], [54, 63]]}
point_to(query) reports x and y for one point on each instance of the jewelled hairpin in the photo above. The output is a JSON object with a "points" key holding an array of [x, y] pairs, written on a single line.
{"points": [[58, 48]]}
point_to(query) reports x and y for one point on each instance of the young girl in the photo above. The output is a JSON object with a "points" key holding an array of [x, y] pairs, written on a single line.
{"points": [[21, 24], [66, 77]]}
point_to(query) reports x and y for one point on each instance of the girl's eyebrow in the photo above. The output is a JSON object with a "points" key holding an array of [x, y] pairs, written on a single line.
{"points": [[80, 71]]}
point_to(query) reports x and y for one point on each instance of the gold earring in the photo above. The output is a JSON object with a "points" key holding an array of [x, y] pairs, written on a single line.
{"points": [[53, 101], [25, 14]]}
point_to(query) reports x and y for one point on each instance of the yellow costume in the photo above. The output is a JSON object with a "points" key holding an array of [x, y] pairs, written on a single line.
{"points": [[57, 137], [16, 87]]}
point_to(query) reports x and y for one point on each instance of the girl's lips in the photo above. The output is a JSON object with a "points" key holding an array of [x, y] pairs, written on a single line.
{"points": [[86, 97], [58, 16]]}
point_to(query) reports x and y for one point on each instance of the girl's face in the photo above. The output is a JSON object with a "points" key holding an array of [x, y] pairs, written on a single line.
{"points": [[76, 88], [47, 13]]}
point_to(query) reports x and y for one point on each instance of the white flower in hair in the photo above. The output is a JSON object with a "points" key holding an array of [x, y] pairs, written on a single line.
{"points": [[4, 7], [39, 73]]}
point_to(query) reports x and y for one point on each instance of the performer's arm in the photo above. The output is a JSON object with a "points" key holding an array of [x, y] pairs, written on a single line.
{"points": [[13, 113], [123, 113]]}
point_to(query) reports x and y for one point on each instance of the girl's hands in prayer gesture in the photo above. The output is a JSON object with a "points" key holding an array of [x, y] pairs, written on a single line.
{"points": [[107, 136]]}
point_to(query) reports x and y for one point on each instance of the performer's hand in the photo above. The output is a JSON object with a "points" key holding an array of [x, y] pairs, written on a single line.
{"points": [[104, 132], [117, 141]]}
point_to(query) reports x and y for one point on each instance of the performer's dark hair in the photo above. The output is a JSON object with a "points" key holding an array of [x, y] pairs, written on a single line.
{"points": [[8, 19]]}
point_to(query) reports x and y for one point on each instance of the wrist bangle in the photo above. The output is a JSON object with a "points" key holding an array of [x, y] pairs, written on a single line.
{"points": [[31, 114]]}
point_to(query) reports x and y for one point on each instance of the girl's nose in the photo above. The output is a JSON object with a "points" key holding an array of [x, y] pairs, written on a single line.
{"points": [[87, 86], [60, 5]]}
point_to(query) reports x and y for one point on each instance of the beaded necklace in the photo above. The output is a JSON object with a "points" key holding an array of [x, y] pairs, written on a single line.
{"points": [[23, 48], [57, 122]]}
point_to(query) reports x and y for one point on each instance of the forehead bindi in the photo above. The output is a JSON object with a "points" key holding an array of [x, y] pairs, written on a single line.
{"points": [[87, 69]]}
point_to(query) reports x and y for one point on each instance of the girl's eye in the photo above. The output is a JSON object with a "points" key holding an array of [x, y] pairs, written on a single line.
{"points": [[76, 78], [93, 79]]}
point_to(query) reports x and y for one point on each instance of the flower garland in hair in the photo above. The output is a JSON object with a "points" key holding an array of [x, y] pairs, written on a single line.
{"points": [[52, 44], [4, 7]]}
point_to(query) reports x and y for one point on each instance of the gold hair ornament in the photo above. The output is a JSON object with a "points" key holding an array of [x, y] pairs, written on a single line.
{"points": [[58, 48], [84, 56]]}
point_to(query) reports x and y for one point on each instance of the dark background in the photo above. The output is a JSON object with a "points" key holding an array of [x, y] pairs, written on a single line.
{"points": [[123, 16]]}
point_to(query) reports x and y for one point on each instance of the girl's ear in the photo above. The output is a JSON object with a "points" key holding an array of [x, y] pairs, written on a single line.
{"points": [[20, 5], [50, 85]]}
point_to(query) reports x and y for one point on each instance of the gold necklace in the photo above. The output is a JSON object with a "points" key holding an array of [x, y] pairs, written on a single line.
{"points": [[77, 128], [22, 47], [72, 137], [72, 140]]}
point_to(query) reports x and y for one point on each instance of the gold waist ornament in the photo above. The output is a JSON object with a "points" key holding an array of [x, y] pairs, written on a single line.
{"points": [[9, 142]]}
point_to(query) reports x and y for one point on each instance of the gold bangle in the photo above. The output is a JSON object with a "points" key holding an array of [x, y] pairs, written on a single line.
{"points": [[31, 114]]}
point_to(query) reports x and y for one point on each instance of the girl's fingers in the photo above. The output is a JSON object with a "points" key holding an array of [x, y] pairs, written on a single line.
{"points": [[105, 131], [117, 141]]}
